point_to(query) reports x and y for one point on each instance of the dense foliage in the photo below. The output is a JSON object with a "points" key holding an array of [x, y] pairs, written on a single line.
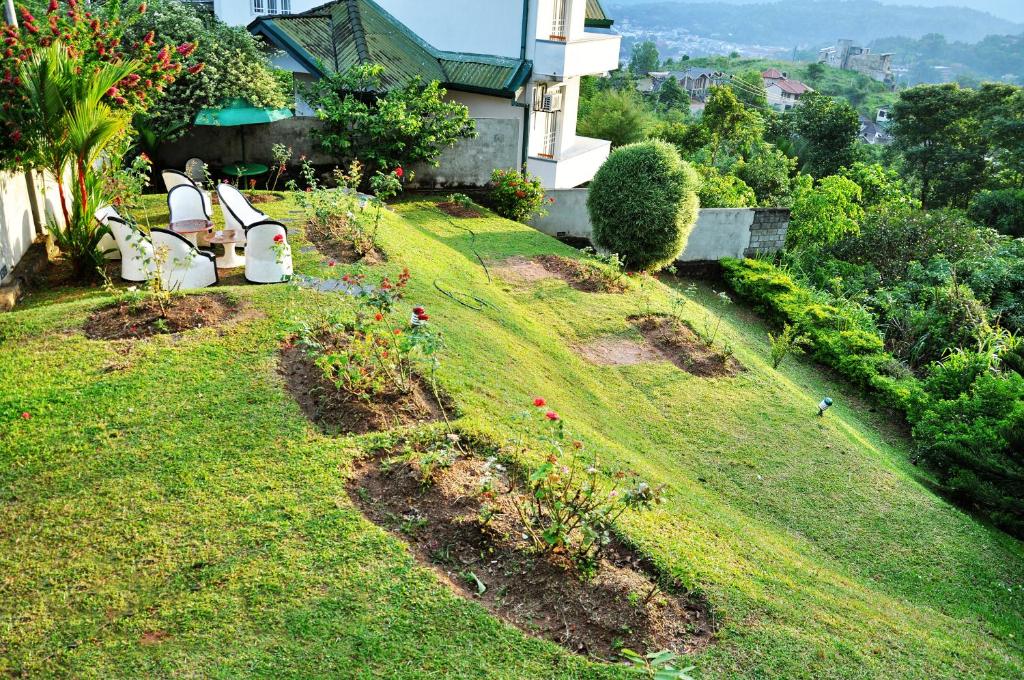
{"points": [[517, 195], [385, 129], [643, 205]]}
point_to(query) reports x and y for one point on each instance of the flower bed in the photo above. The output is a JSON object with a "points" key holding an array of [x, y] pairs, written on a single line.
{"points": [[142, 315]]}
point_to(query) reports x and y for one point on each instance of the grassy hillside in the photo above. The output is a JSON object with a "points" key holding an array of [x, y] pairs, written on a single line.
{"points": [[865, 94], [168, 510]]}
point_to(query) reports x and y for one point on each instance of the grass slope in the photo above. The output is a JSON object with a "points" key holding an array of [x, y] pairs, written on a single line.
{"points": [[168, 511]]}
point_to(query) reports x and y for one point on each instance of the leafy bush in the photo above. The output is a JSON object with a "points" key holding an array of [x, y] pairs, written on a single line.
{"points": [[824, 214], [619, 117], [879, 185], [1002, 210], [997, 278], [723, 191], [385, 129], [517, 195], [643, 204], [769, 172]]}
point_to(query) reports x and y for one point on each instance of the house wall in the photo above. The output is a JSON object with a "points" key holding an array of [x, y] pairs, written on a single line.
{"points": [[719, 232], [239, 12], [17, 226], [468, 164], [482, 27]]}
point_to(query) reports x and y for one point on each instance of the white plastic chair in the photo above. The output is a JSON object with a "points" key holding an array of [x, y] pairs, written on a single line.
{"points": [[185, 265], [174, 178], [135, 249], [262, 262], [239, 214], [185, 202], [107, 245]]}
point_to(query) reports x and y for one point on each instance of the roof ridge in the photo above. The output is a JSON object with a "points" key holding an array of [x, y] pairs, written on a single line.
{"points": [[358, 30]]}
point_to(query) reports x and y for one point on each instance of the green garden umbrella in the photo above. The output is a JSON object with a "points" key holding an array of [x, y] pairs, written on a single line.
{"points": [[239, 113]]}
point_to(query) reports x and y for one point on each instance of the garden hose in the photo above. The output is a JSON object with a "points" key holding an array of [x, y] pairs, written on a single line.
{"points": [[463, 298]]}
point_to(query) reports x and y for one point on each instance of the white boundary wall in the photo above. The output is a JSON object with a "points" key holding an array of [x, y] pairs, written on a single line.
{"points": [[17, 224]]}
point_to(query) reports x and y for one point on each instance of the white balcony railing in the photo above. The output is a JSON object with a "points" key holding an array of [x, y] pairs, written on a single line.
{"points": [[573, 166], [594, 53]]}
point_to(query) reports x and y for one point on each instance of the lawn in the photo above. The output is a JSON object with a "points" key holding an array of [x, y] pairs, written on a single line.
{"points": [[167, 510]]}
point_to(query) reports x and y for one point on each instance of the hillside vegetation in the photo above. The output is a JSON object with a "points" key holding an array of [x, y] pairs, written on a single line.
{"points": [[166, 509]]}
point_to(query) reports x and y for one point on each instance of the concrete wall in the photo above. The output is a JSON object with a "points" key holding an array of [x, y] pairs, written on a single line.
{"points": [[17, 225], [469, 163], [719, 232]]}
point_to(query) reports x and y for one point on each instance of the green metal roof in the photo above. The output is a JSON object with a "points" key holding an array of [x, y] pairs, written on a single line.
{"points": [[596, 17], [338, 35]]}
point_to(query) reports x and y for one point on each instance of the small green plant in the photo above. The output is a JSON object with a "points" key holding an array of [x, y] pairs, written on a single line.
{"points": [[375, 353], [789, 341], [461, 200], [566, 509], [282, 154], [712, 322], [385, 187], [432, 461], [658, 665], [517, 195], [609, 268]]}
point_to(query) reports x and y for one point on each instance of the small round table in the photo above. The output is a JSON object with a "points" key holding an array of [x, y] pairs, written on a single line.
{"points": [[189, 228], [244, 169], [230, 259]]}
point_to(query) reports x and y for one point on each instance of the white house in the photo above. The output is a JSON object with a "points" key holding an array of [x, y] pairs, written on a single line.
{"points": [[782, 92], [515, 64]]}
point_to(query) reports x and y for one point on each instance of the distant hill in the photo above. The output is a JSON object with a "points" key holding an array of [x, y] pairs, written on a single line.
{"points": [[810, 23]]}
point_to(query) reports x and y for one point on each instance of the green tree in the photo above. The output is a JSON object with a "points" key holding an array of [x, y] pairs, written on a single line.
{"points": [[643, 205], [815, 72], [385, 129], [728, 120], [1002, 112], [749, 88], [723, 191], [936, 131], [828, 128], [769, 173], [825, 213], [879, 185], [671, 95], [616, 115], [644, 58], [227, 63]]}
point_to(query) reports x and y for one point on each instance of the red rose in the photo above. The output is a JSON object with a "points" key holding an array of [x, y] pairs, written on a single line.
{"points": [[539, 401], [422, 317], [398, 331], [278, 238], [399, 172], [52, 7], [26, 415], [378, 316], [142, 8], [418, 310], [551, 415], [331, 263]]}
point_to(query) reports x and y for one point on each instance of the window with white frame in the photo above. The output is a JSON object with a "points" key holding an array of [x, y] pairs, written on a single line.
{"points": [[559, 19], [271, 6]]}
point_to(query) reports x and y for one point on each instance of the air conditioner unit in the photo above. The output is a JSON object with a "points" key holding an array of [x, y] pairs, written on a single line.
{"points": [[550, 102]]}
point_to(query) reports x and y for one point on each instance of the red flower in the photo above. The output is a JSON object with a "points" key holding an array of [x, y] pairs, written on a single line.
{"points": [[539, 401], [26, 415], [16, 136], [142, 8], [551, 415], [196, 69], [145, 156], [378, 317], [398, 331], [52, 7], [418, 310], [422, 317], [112, 92], [186, 48], [399, 172], [520, 194], [278, 238], [331, 263]]}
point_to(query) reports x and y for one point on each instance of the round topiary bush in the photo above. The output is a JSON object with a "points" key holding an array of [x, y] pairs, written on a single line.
{"points": [[643, 204]]}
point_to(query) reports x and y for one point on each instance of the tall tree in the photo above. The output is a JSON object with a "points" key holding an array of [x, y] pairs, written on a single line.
{"points": [[644, 58], [935, 129], [615, 115], [829, 129], [727, 119], [749, 88], [671, 95]]}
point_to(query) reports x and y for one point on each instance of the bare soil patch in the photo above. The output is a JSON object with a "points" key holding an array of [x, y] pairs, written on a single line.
{"points": [[542, 595], [335, 411], [580, 275], [680, 345], [265, 198], [457, 210], [142, 319], [340, 243], [619, 352]]}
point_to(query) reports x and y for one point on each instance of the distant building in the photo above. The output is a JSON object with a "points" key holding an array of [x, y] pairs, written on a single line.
{"points": [[849, 57], [872, 132], [695, 81], [783, 93]]}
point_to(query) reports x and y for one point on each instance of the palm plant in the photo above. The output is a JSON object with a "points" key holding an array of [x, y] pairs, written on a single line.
{"points": [[70, 108]]}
